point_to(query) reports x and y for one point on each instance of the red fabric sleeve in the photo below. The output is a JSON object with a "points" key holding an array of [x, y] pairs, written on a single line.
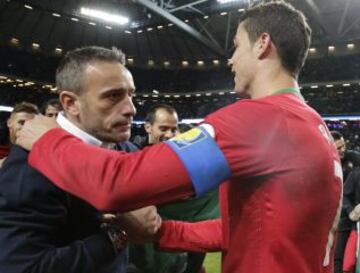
{"points": [[111, 180], [204, 236]]}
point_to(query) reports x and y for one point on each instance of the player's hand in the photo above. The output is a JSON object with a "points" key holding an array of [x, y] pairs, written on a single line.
{"points": [[355, 213], [33, 130], [140, 225]]}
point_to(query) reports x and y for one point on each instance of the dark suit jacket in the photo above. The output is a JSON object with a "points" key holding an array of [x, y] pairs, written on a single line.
{"points": [[45, 230]]}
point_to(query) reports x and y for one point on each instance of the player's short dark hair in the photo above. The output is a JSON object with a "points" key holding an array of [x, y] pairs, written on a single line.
{"points": [[287, 27], [53, 102], [26, 107], [69, 74], [336, 135], [151, 114]]}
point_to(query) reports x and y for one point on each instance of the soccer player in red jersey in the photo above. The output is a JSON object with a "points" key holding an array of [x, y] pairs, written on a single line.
{"points": [[272, 155]]}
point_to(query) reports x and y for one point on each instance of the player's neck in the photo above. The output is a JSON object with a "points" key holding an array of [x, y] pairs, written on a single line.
{"points": [[268, 84]]}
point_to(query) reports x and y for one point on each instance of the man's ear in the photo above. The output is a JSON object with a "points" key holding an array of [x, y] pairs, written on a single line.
{"points": [[263, 45], [147, 127], [8, 122], [70, 103]]}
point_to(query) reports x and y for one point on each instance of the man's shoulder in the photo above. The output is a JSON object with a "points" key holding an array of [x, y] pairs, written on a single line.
{"points": [[127, 146], [353, 156], [244, 113], [17, 156], [19, 180]]}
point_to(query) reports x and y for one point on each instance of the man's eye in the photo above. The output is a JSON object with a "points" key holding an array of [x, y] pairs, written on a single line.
{"points": [[114, 96]]}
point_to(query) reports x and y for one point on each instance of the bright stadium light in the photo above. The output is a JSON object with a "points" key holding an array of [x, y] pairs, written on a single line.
{"points": [[226, 1], [105, 16], [6, 108]]}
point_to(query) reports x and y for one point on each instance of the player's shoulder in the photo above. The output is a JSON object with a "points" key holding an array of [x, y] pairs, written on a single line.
{"points": [[245, 108]]}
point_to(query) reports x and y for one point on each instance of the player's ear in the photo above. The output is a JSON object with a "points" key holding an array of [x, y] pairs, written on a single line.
{"points": [[263, 45]]}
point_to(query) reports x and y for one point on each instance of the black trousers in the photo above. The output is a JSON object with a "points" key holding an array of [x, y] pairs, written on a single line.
{"points": [[341, 241]]}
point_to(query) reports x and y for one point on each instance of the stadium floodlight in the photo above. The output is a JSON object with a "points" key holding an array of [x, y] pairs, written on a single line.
{"points": [[350, 46], [35, 45], [6, 108], [200, 63], [185, 63], [105, 16], [58, 50], [227, 1]]}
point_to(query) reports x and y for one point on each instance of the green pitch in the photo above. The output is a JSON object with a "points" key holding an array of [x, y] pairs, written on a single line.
{"points": [[212, 262]]}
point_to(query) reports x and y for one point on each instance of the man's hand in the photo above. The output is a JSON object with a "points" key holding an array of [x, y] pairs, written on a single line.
{"points": [[140, 225], [2, 161], [355, 213], [34, 129]]}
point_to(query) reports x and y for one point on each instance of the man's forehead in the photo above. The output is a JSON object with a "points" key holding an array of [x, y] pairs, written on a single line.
{"points": [[339, 142], [98, 69], [22, 114], [239, 32]]}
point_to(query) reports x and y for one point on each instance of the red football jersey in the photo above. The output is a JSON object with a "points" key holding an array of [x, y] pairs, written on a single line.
{"points": [[281, 207]]}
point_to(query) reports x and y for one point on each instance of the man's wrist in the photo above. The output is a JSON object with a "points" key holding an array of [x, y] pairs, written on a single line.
{"points": [[118, 237]]}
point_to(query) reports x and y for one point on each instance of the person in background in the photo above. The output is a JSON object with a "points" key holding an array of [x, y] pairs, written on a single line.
{"points": [[349, 160], [51, 108], [4, 137], [21, 112], [351, 208], [161, 124]]}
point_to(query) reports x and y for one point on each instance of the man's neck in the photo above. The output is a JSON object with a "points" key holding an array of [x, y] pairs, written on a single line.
{"points": [[268, 83], [70, 124]]}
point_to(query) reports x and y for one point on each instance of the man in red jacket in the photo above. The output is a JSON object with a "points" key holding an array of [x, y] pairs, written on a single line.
{"points": [[273, 219]]}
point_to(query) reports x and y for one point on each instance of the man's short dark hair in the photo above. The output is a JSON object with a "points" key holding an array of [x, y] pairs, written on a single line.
{"points": [[151, 114], [336, 135], [287, 27], [69, 74], [26, 107], [53, 102]]}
